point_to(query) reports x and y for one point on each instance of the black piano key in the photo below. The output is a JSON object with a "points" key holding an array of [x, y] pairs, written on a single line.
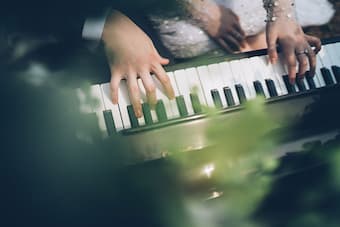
{"points": [[241, 94], [336, 72], [290, 88], [161, 112], [300, 83], [327, 76], [132, 117], [310, 81], [196, 105], [258, 88], [182, 108], [147, 114], [229, 96], [271, 88], [109, 122], [217, 98]]}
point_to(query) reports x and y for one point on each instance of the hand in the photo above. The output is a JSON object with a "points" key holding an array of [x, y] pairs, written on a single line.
{"points": [[221, 24], [131, 54], [295, 45]]}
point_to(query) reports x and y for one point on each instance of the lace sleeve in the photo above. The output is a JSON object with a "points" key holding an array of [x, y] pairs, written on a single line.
{"points": [[279, 9]]}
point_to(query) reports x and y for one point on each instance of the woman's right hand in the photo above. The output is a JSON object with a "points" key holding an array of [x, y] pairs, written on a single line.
{"points": [[220, 23], [131, 54]]}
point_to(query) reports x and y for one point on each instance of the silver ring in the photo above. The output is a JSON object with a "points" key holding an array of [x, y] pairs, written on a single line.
{"points": [[305, 51]]}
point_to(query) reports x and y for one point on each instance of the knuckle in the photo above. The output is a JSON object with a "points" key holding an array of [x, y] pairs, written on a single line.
{"points": [[154, 66], [134, 89], [113, 85], [304, 63], [150, 89], [166, 80], [291, 62]]}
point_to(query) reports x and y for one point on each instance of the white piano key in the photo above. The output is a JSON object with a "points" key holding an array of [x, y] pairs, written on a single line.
{"points": [[279, 72], [337, 50], [215, 74], [194, 84], [318, 74], [108, 105], [326, 61], [271, 74], [249, 77], [229, 80], [124, 102], [161, 95], [334, 56], [184, 89], [254, 64], [98, 106], [173, 103], [207, 84]]}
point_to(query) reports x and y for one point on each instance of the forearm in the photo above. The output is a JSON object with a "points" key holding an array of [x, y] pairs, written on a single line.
{"points": [[279, 9]]}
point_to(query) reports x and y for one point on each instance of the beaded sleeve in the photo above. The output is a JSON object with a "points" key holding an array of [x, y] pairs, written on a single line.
{"points": [[277, 9]]}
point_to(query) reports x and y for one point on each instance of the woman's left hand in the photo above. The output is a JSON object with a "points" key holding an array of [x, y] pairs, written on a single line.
{"points": [[298, 48]]}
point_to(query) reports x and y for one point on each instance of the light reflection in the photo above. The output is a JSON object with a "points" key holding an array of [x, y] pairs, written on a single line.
{"points": [[208, 170], [215, 195]]}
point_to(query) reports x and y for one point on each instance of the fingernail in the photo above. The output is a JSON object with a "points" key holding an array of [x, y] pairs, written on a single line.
{"points": [[172, 95], [139, 113]]}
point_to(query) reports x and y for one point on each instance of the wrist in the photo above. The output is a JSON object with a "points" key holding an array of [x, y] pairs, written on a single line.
{"points": [[279, 10], [202, 12]]}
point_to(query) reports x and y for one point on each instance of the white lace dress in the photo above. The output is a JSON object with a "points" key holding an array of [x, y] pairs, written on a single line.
{"points": [[185, 39]]}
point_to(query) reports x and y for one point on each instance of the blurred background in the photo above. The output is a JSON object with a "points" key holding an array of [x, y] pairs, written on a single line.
{"points": [[57, 171]]}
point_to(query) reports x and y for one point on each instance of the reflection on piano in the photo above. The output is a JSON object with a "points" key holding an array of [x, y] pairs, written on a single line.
{"points": [[224, 84]]}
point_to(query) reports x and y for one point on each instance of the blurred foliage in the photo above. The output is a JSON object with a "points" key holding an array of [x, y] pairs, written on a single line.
{"points": [[226, 181]]}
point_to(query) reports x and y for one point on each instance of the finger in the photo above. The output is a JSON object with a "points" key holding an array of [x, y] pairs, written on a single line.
{"points": [[271, 43], [239, 34], [231, 40], [134, 95], [289, 56], [314, 42], [150, 88], [238, 28], [303, 64], [312, 61], [224, 45], [238, 37], [163, 61], [165, 80], [114, 85]]}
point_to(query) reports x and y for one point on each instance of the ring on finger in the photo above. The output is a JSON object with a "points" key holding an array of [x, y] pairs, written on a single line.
{"points": [[301, 52]]}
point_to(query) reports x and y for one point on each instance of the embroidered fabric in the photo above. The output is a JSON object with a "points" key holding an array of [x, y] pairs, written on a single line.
{"points": [[186, 40]]}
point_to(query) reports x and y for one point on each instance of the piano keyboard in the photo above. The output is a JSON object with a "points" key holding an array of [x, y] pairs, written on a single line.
{"points": [[223, 85]]}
